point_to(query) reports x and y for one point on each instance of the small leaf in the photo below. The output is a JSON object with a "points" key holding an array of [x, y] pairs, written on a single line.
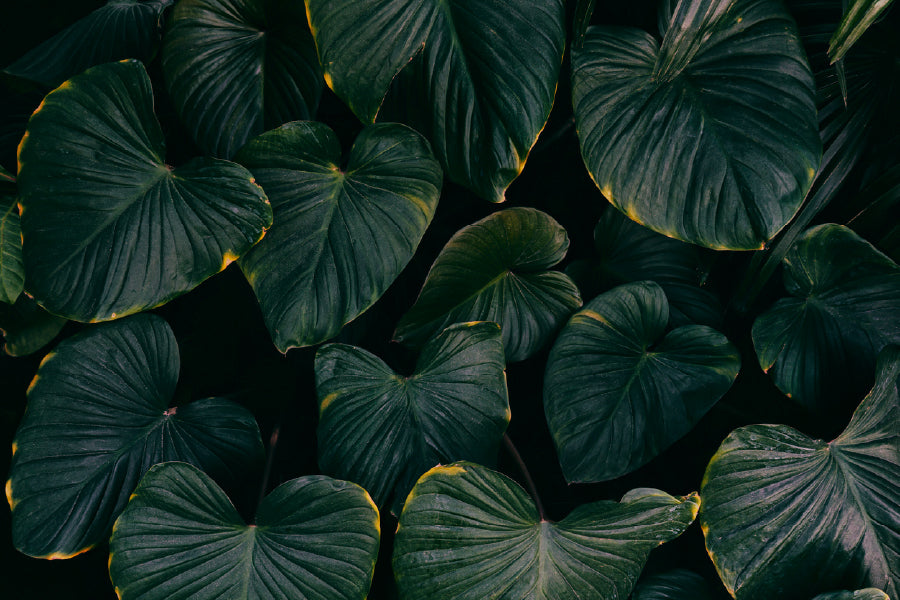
{"points": [[469, 533], [26, 327], [618, 390], [866, 594], [181, 538], [497, 270], [12, 272], [677, 584], [97, 418], [777, 503], [341, 236], [383, 431], [859, 16]]}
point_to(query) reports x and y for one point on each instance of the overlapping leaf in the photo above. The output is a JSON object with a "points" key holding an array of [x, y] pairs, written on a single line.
{"points": [[480, 87], [180, 537], [120, 29], [109, 229], [26, 327], [236, 68], [12, 271], [97, 418], [618, 389], [866, 594], [777, 503], [677, 584], [469, 533], [709, 136], [341, 236], [820, 343], [497, 270], [383, 430]]}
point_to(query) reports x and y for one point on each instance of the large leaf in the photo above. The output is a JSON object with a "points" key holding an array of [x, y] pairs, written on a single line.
{"points": [[469, 533], [341, 235], [236, 68], [777, 503], [677, 584], [619, 390], [26, 327], [820, 343], [497, 270], [120, 29], [383, 430], [109, 229], [709, 136], [97, 418], [12, 272], [181, 538], [859, 16], [866, 594], [481, 85]]}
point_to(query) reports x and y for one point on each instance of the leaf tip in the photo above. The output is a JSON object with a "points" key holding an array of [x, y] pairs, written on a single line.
{"points": [[328, 80]]}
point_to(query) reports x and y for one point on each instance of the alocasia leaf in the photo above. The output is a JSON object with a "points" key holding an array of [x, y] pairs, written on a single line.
{"points": [[383, 430], [469, 533], [341, 234], [709, 135], [777, 503], [109, 228], [97, 418], [180, 538], [677, 584], [866, 594], [26, 327]]}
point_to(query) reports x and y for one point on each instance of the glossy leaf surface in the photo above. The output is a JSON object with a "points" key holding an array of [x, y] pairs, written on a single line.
{"points": [[677, 584], [858, 17], [26, 327], [341, 235], [180, 537], [236, 68], [498, 270], [618, 389], [819, 344], [480, 87], [109, 229], [12, 271], [383, 430], [120, 29], [708, 136], [97, 418], [469, 533], [777, 502]]}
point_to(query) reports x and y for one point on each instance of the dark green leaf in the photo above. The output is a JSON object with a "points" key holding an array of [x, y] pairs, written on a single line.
{"points": [[618, 390], [180, 538], [341, 236], [120, 29], [481, 85], [497, 270], [12, 272], [97, 418], [820, 343], [109, 229], [26, 327], [469, 533], [383, 430], [777, 503], [709, 136], [866, 594], [678, 584], [236, 68], [859, 16]]}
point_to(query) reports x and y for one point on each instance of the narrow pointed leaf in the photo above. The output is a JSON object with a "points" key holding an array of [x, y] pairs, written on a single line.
{"points": [[777, 502], [498, 270], [12, 271], [236, 68], [820, 343], [469, 533], [109, 229], [618, 389], [341, 236], [383, 430], [180, 537], [120, 29], [858, 17], [97, 418], [26, 327], [708, 136]]}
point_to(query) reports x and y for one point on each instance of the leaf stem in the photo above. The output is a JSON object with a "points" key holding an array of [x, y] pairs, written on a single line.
{"points": [[273, 443], [532, 489]]}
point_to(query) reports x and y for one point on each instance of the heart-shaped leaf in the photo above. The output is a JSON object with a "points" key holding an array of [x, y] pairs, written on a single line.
{"points": [[677, 584], [619, 390], [820, 343], [97, 418], [12, 271], [777, 503], [858, 17], [120, 29], [709, 136], [26, 327], [481, 85], [497, 270], [236, 68], [341, 236], [383, 431], [181, 538], [109, 229], [866, 594], [469, 533]]}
